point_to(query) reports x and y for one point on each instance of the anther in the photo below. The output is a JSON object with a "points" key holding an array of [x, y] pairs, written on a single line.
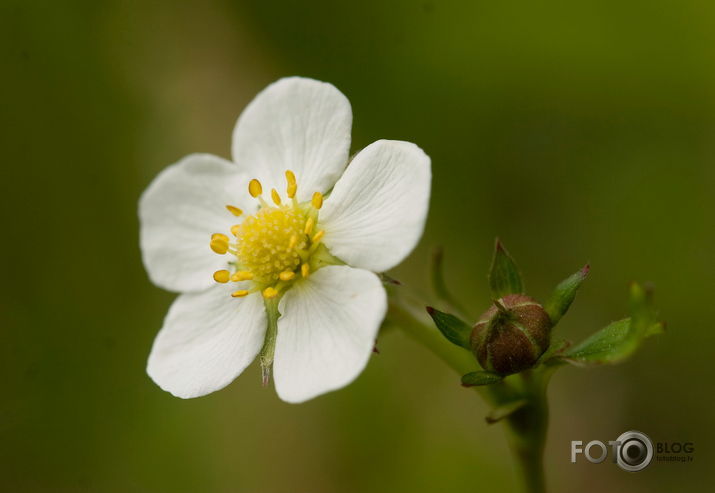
{"points": [[235, 229], [309, 226], [276, 198], [240, 293], [317, 200], [221, 276], [292, 184], [305, 270], [292, 242], [234, 210], [255, 188], [219, 243], [286, 275], [270, 292], [242, 275]]}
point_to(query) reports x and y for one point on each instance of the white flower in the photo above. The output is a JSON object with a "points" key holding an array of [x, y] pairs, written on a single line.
{"points": [[295, 282]]}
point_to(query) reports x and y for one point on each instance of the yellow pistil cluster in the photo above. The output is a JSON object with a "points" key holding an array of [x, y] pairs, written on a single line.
{"points": [[264, 242], [273, 246]]}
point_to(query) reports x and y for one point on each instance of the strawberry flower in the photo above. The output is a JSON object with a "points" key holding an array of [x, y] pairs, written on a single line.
{"points": [[275, 253]]}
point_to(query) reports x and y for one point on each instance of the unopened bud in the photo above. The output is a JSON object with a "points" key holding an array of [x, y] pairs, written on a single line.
{"points": [[511, 335]]}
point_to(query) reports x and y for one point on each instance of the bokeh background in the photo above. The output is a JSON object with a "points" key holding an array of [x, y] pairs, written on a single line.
{"points": [[576, 131]]}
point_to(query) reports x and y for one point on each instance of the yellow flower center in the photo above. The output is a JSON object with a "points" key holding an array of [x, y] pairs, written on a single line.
{"points": [[274, 246], [267, 242]]}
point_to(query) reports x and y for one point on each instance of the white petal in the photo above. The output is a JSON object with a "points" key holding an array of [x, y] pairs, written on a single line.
{"points": [[327, 331], [180, 210], [296, 124], [207, 340], [376, 213]]}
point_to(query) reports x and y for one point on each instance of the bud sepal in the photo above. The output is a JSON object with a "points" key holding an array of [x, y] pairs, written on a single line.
{"points": [[504, 276], [564, 294], [454, 329]]}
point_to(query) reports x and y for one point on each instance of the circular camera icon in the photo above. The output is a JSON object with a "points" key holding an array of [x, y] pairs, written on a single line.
{"points": [[635, 451]]}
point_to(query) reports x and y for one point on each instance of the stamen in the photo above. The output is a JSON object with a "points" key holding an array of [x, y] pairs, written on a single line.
{"points": [[255, 188], [318, 236], [219, 243], [269, 293], [276, 198], [287, 275], [292, 184], [221, 276], [242, 275], [273, 245], [317, 200]]}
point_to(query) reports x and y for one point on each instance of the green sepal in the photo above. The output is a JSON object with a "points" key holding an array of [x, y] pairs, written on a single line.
{"points": [[564, 294], [505, 410], [504, 277], [454, 329], [619, 340], [477, 378], [389, 280], [438, 283]]}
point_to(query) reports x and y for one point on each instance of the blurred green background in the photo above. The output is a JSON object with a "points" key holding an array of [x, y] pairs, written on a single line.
{"points": [[576, 131]]}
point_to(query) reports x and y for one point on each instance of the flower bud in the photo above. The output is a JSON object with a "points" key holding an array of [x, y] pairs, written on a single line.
{"points": [[511, 335]]}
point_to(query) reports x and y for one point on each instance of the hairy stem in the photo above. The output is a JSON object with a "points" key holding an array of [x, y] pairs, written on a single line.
{"points": [[526, 427], [413, 320], [526, 431]]}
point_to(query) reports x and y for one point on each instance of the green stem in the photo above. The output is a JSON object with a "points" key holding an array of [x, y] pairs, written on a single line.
{"points": [[526, 427], [526, 431], [269, 344], [415, 323]]}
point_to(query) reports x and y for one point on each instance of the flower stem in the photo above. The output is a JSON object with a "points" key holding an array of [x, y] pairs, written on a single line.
{"points": [[269, 344], [526, 427], [526, 431], [414, 322]]}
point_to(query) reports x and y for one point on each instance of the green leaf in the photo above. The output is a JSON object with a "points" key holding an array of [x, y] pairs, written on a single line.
{"points": [[480, 378], [609, 345], [505, 410], [504, 277], [619, 340], [453, 328], [564, 294], [553, 353]]}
